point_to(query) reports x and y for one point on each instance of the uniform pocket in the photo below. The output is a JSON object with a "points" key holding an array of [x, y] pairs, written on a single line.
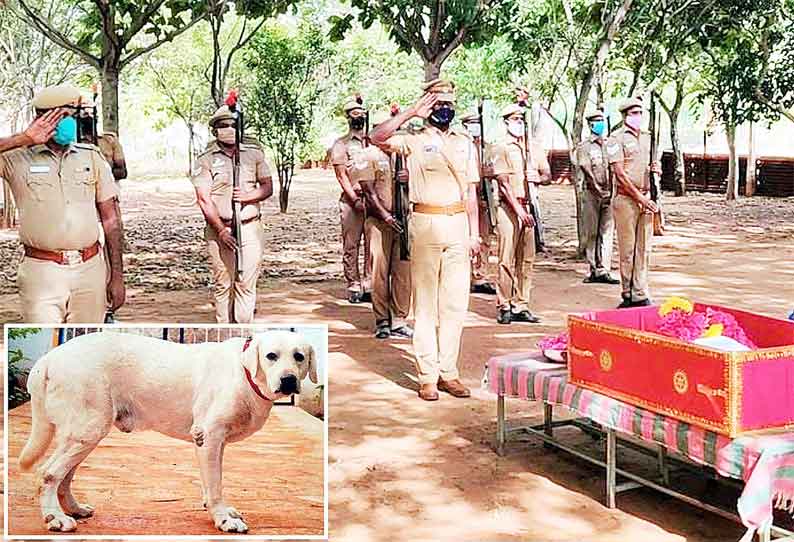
{"points": [[43, 186], [83, 184]]}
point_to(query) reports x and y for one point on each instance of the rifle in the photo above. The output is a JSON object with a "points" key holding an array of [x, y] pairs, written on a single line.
{"points": [[87, 125], [530, 206], [401, 205], [658, 219], [232, 102], [485, 184]]}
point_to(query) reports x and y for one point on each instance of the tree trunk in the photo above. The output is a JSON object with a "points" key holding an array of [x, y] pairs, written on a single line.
{"points": [[190, 145], [110, 99], [432, 70], [285, 173], [733, 163], [752, 181], [679, 177]]}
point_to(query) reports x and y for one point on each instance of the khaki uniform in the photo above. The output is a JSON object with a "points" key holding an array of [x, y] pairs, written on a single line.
{"points": [[234, 299], [480, 269], [110, 148], [442, 169], [344, 153], [597, 209], [635, 227], [516, 243], [57, 198], [391, 277]]}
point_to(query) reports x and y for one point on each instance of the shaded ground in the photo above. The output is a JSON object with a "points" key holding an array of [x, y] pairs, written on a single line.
{"points": [[399, 465], [147, 483]]}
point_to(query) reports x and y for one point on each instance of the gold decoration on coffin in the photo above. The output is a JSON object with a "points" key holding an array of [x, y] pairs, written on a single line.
{"points": [[605, 361], [731, 391], [680, 382]]}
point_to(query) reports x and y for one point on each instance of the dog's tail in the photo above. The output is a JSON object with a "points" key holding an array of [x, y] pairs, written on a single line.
{"points": [[42, 430]]}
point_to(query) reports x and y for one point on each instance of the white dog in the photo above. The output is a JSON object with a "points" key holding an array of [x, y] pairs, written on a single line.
{"points": [[209, 394]]}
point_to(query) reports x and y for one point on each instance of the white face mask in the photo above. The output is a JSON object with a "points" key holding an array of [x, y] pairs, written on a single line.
{"points": [[226, 135], [474, 130], [515, 128]]}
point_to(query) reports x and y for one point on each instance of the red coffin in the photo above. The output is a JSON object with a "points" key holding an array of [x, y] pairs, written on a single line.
{"points": [[614, 353]]}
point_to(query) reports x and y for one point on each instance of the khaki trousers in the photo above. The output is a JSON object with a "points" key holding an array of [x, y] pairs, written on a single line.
{"points": [[235, 299], [352, 232], [391, 277], [440, 273], [516, 260], [480, 268], [635, 230], [52, 293], [599, 234]]}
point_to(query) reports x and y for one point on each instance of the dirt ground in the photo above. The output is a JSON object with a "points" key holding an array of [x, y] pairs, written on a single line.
{"points": [[399, 465], [147, 483]]}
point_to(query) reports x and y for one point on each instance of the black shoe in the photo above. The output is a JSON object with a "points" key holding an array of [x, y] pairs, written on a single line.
{"points": [[590, 279], [366, 297], [625, 304], [485, 288], [403, 332], [504, 316], [608, 279], [525, 316], [642, 303], [354, 297], [382, 331]]}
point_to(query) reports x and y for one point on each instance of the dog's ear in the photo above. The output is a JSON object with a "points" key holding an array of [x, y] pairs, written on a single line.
{"points": [[312, 363], [250, 356]]}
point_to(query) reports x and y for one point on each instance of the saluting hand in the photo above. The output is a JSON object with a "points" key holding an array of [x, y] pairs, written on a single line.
{"points": [[424, 106], [42, 128]]}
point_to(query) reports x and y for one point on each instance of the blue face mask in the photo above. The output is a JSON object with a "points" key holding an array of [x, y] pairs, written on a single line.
{"points": [[597, 127], [65, 131], [442, 116]]}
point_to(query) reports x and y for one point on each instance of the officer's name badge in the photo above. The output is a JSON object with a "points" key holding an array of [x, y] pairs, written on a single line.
{"points": [[39, 169], [613, 149], [217, 162], [430, 148]]}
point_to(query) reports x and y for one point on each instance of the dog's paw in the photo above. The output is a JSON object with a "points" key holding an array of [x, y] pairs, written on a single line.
{"points": [[198, 435], [231, 522], [82, 511], [61, 523]]}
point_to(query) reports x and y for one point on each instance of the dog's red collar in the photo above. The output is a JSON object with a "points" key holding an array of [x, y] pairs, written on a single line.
{"points": [[248, 374]]}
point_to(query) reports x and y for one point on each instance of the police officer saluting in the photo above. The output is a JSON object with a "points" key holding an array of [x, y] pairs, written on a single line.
{"points": [[62, 188], [444, 232], [235, 294]]}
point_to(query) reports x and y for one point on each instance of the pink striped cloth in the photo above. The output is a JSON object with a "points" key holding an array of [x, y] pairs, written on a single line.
{"points": [[764, 463]]}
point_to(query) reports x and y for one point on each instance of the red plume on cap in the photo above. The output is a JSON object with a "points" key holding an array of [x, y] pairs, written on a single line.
{"points": [[231, 98], [359, 100], [395, 109]]}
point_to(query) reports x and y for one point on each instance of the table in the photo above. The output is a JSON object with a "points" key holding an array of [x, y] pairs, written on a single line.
{"points": [[765, 464]]}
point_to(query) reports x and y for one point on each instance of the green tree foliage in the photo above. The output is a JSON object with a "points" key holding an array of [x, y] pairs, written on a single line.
{"points": [[430, 28], [16, 394], [285, 66], [181, 90], [232, 25], [109, 36]]}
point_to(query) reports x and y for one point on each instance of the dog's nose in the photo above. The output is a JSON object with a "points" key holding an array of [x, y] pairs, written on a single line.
{"points": [[289, 384]]}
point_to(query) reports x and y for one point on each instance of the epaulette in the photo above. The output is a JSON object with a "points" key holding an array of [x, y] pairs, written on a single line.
{"points": [[87, 146]]}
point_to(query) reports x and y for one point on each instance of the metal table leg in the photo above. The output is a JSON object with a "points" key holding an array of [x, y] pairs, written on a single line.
{"points": [[611, 467], [500, 425], [664, 469]]}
